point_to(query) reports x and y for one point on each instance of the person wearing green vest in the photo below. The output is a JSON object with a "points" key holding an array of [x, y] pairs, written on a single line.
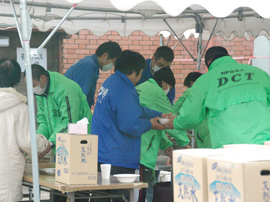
{"points": [[60, 101], [201, 131], [153, 94], [234, 97]]}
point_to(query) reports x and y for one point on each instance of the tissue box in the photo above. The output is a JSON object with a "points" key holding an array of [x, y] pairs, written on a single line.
{"points": [[76, 158], [190, 173], [74, 128], [239, 178]]}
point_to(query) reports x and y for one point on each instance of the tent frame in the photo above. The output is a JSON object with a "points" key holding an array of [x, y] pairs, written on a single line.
{"points": [[25, 34]]}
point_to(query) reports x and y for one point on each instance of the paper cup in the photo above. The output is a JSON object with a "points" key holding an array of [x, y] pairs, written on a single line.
{"points": [[105, 171]]}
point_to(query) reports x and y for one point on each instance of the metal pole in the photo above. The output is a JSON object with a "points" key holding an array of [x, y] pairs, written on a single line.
{"points": [[177, 42], [210, 37], [199, 51], [55, 29], [169, 40], [179, 39], [193, 140], [26, 27], [16, 21], [161, 42]]}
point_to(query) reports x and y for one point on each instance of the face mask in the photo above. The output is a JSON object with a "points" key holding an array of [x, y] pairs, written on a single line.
{"points": [[38, 90], [167, 90], [156, 68], [107, 67]]}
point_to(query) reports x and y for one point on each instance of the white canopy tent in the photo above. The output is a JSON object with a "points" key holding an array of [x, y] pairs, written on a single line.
{"points": [[101, 16], [225, 18]]}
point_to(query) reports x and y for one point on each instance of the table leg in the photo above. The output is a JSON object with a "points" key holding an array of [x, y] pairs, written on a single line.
{"points": [[71, 196], [131, 195], [30, 194]]}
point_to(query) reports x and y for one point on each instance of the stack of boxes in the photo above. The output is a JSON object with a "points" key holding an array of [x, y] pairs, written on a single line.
{"points": [[240, 174]]}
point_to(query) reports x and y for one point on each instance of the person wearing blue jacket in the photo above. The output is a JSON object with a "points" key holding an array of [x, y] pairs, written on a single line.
{"points": [[119, 120], [163, 57], [85, 72]]}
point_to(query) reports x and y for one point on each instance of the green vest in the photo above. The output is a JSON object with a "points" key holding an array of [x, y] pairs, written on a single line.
{"points": [[152, 96]]}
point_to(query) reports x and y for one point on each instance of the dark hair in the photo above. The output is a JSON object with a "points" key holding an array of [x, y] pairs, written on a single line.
{"points": [[214, 53], [130, 61], [112, 48], [164, 74], [191, 77], [164, 52], [37, 71], [10, 73]]}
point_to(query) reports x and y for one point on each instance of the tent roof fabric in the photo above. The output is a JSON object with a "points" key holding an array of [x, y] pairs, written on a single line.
{"points": [[103, 15]]}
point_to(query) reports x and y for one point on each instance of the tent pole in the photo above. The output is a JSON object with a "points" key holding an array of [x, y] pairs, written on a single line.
{"points": [[175, 45], [26, 27], [169, 39], [16, 21], [179, 39], [199, 51], [210, 37], [161, 42], [177, 42], [55, 29]]}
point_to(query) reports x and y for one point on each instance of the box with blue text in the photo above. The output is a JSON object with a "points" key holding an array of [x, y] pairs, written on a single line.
{"points": [[190, 173], [76, 158], [243, 177]]}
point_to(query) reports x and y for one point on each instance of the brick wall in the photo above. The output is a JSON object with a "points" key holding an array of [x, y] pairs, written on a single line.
{"points": [[85, 43]]}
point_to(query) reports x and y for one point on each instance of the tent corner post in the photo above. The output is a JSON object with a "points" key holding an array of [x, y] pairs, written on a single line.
{"points": [[26, 28]]}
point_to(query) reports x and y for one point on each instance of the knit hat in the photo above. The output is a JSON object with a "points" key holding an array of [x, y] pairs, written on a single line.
{"points": [[165, 74]]}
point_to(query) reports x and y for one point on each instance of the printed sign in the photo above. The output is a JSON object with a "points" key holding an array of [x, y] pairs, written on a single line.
{"points": [[40, 58]]}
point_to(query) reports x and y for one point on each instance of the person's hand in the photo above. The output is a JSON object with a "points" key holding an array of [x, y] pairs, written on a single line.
{"points": [[46, 151], [169, 124], [185, 147], [168, 115], [169, 151], [156, 125]]}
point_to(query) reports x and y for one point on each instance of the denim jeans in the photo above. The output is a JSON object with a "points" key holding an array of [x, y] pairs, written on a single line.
{"points": [[149, 176]]}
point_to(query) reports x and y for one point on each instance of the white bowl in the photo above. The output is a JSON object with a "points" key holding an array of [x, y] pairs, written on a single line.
{"points": [[47, 171], [126, 178], [163, 120]]}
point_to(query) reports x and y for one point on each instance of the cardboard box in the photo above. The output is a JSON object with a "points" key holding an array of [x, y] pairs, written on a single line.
{"points": [[239, 178], [74, 128], [76, 158], [190, 173], [244, 146]]}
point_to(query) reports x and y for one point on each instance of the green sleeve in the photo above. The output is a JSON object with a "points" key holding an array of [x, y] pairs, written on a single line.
{"points": [[193, 110], [161, 104], [267, 86], [164, 142], [178, 104], [69, 103], [41, 120], [180, 137], [164, 106]]}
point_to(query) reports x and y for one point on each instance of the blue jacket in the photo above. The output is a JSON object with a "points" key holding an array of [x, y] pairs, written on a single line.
{"points": [[119, 121], [85, 72], [147, 74]]}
